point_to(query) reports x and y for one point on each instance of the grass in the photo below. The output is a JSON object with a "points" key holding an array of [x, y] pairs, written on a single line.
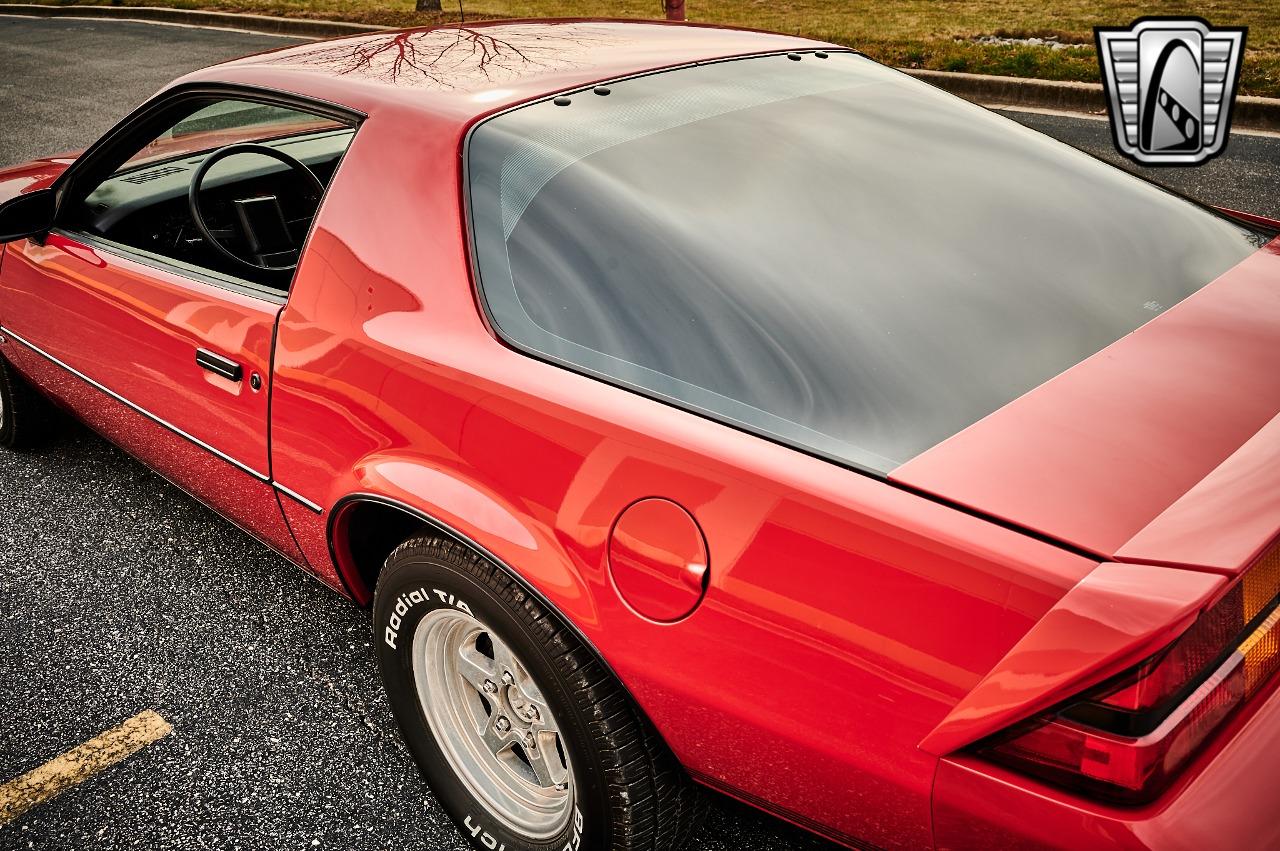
{"points": [[936, 34]]}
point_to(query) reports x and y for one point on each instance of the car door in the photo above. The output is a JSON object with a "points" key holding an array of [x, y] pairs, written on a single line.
{"points": [[169, 357]]}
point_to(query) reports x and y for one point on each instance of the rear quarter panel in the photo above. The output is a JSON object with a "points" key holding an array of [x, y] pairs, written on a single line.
{"points": [[844, 616]]}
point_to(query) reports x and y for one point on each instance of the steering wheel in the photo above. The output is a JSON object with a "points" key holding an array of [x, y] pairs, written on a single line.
{"points": [[193, 195]]}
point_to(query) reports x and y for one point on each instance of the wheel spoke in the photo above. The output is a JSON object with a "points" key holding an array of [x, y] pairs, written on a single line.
{"points": [[545, 761], [476, 668], [497, 742], [503, 657], [528, 688]]}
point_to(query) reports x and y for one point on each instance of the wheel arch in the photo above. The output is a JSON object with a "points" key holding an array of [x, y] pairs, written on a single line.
{"points": [[364, 527], [395, 494], [362, 531]]}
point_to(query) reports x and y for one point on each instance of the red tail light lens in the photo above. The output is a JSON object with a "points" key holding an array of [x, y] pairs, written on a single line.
{"points": [[1127, 738]]}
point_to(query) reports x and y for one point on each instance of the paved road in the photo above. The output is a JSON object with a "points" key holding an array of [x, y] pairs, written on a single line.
{"points": [[64, 82], [118, 593], [1246, 177]]}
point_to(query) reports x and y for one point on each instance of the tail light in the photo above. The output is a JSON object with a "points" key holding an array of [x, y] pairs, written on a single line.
{"points": [[1127, 738]]}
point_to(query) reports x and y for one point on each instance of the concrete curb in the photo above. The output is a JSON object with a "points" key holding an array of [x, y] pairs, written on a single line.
{"points": [[301, 27], [1017, 91], [1252, 112]]}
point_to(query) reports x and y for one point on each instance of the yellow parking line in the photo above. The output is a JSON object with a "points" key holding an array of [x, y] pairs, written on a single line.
{"points": [[80, 763]]}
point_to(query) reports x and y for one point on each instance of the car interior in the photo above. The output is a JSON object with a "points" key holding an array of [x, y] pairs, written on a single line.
{"points": [[231, 190]]}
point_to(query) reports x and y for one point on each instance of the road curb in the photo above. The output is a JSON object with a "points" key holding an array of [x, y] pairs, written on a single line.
{"points": [[302, 27], [1017, 91], [1252, 112]]}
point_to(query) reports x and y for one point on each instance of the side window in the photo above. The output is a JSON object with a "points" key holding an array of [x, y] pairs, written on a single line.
{"points": [[225, 187]]}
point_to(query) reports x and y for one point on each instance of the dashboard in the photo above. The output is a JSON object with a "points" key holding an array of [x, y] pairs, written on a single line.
{"points": [[147, 207]]}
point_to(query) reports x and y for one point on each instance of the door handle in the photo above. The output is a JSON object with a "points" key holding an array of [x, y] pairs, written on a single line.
{"points": [[219, 365]]}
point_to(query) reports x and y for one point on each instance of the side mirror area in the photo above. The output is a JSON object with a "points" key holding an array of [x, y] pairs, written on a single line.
{"points": [[27, 215]]}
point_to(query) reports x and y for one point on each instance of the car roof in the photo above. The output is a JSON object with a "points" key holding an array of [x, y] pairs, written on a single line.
{"points": [[465, 71]]}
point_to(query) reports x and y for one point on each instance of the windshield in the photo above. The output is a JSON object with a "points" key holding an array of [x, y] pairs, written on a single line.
{"points": [[227, 122], [824, 252]]}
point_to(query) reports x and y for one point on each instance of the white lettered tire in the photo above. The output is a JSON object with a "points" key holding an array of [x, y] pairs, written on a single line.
{"points": [[525, 738]]}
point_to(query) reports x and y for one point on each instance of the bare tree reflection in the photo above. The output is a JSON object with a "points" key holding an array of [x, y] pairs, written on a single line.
{"points": [[453, 57]]}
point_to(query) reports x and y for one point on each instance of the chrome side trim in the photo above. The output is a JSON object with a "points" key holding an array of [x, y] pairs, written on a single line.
{"points": [[297, 497], [138, 408], [157, 262]]}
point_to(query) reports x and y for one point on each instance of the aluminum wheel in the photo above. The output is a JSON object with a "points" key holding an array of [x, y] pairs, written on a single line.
{"points": [[492, 723]]}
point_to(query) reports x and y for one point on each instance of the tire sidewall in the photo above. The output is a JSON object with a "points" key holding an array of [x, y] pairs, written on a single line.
{"points": [[413, 585]]}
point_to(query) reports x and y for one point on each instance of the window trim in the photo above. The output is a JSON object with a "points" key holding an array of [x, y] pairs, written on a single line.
{"points": [[101, 159], [188, 271]]}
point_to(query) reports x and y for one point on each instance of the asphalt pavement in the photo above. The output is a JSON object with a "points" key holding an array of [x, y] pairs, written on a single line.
{"points": [[119, 594], [1244, 177]]}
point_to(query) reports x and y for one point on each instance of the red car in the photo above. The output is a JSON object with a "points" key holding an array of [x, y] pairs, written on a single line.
{"points": [[700, 407]]}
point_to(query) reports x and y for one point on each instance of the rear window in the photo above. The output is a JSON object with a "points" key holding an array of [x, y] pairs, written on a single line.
{"points": [[824, 252]]}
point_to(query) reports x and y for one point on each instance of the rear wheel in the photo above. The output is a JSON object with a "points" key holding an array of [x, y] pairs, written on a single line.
{"points": [[525, 738], [26, 417]]}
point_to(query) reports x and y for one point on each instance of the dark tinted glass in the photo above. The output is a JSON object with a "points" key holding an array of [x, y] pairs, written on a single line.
{"points": [[825, 252]]}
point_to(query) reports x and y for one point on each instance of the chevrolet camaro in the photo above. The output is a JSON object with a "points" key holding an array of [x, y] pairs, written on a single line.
{"points": [[701, 408]]}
